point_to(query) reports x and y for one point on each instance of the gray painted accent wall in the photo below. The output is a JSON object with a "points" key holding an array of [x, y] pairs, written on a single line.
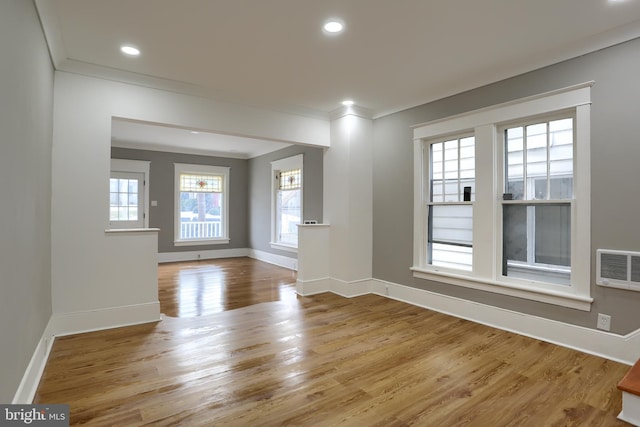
{"points": [[162, 183], [26, 114], [260, 193], [615, 203]]}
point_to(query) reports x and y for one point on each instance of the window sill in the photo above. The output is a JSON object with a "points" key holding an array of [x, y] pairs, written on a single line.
{"points": [[201, 242], [283, 247], [556, 297]]}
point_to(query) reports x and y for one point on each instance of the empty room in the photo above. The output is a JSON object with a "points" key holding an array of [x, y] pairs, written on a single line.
{"points": [[320, 213]]}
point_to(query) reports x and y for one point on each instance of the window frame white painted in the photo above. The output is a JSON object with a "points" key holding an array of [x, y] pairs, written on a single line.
{"points": [[185, 168], [132, 166], [487, 232], [429, 178], [530, 202], [288, 163]]}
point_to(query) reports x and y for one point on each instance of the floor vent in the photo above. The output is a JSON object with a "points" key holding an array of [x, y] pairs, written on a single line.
{"points": [[618, 269]]}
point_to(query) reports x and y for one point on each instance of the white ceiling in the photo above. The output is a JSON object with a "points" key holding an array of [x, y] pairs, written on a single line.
{"points": [[393, 54], [157, 137]]}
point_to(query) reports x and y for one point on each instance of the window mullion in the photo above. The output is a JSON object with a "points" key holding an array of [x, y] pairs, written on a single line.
{"points": [[548, 195], [525, 180], [459, 173]]}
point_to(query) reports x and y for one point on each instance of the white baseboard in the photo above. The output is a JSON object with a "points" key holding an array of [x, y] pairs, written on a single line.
{"points": [[108, 318], [312, 287], [339, 287], [352, 289], [197, 255], [279, 260], [624, 349], [31, 378]]}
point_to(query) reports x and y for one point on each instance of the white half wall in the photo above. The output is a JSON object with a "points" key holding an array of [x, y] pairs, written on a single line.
{"points": [[92, 270]]}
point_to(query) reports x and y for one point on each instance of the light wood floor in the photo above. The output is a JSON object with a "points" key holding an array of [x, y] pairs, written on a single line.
{"points": [[319, 361]]}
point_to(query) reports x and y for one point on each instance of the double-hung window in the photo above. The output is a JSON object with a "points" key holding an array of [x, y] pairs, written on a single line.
{"points": [[503, 205], [452, 183], [538, 199], [201, 204], [286, 202]]}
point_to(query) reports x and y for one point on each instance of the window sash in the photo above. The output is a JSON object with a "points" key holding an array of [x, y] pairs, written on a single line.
{"points": [[450, 212]]}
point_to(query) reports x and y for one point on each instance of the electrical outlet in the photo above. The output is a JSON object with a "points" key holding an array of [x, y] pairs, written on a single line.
{"points": [[604, 322]]}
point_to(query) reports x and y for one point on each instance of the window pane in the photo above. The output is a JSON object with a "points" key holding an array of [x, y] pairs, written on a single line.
{"points": [[291, 179], [289, 215], [515, 163], [537, 242], [123, 185], [196, 183], [436, 161], [451, 236], [113, 185], [536, 143], [457, 168], [200, 215], [133, 213], [561, 188], [437, 191], [133, 186], [123, 213], [561, 159], [553, 234]]}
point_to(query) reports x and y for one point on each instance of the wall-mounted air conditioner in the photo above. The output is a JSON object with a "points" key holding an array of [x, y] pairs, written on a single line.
{"points": [[618, 269]]}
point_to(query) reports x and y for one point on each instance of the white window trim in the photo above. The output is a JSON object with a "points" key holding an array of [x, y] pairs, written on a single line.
{"points": [[293, 162], [135, 166], [180, 168], [487, 232]]}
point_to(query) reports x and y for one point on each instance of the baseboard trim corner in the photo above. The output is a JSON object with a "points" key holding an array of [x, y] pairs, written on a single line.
{"points": [[31, 379], [279, 260]]}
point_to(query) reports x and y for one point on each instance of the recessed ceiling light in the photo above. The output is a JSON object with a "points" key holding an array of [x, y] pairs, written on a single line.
{"points": [[195, 132], [333, 26], [347, 103], [130, 50]]}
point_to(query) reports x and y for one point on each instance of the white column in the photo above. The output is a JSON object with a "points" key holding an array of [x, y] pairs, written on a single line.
{"points": [[348, 194]]}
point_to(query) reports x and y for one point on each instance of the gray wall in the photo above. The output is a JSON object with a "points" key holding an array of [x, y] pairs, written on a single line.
{"points": [[26, 112], [615, 151], [260, 193], [162, 182]]}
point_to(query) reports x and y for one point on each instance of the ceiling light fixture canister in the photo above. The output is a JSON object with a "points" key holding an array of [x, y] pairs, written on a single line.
{"points": [[130, 50], [333, 26]]}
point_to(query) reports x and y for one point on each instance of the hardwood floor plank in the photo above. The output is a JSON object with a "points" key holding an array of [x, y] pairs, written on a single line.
{"points": [[237, 347]]}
